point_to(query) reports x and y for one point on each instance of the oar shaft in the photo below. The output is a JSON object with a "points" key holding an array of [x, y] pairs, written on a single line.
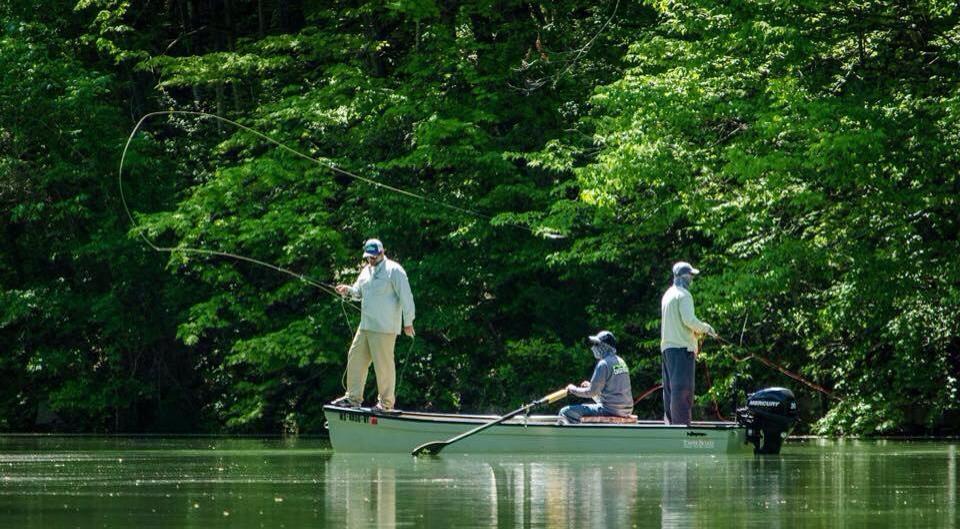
{"points": [[482, 427], [436, 446]]}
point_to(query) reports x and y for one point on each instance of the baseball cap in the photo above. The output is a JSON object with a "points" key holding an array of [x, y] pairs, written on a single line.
{"points": [[372, 248], [684, 267], [606, 337]]}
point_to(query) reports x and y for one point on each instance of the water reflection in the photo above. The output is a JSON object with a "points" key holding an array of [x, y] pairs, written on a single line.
{"points": [[842, 486], [952, 476], [365, 493], [250, 484], [551, 492], [675, 508], [560, 494]]}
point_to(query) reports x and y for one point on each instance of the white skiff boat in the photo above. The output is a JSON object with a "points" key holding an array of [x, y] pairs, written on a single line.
{"points": [[362, 430]]}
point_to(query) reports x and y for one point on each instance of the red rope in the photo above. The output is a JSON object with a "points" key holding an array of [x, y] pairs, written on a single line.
{"points": [[751, 356], [648, 392], [716, 407], [655, 387]]}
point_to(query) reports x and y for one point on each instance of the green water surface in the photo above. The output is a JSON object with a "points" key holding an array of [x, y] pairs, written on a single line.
{"points": [[65, 482]]}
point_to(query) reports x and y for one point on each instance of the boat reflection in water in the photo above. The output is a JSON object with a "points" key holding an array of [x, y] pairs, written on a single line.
{"points": [[391, 491], [676, 509], [60, 483], [583, 494], [821, 484], [360, 492]]}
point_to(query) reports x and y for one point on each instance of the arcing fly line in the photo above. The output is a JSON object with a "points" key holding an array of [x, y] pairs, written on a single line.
{"points": [[326, 287], [201, 251], [550, 234]]}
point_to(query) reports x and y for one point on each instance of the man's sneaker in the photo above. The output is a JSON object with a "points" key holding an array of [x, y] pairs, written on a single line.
{"points": [[344, 402], [377, 408]]}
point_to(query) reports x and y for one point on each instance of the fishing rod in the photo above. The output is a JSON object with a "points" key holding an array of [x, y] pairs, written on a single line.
{"points": [[770, 363], [750, 356]]}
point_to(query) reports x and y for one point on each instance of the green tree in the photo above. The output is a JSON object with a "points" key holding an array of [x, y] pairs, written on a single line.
{"points": [[83, 338], [800, 152]]}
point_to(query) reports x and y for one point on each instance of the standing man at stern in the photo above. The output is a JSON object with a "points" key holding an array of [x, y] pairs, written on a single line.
{"points": [[679, 340], [385, 298]]}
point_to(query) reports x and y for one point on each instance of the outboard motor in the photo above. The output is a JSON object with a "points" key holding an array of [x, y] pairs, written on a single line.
{"points": [[769, 417]]}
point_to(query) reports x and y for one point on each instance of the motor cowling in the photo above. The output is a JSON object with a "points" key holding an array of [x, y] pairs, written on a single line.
{"points": [[769, 417]]}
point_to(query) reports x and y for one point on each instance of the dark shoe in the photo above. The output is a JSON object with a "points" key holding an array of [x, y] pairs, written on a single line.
{"points": [[344, 402]]}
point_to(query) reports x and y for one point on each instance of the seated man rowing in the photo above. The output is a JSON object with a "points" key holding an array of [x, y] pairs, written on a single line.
{"points": [[609, 386]]}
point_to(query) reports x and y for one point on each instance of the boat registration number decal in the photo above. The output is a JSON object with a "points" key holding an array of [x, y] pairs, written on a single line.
{"points": [[699, 443], [354, 417]]}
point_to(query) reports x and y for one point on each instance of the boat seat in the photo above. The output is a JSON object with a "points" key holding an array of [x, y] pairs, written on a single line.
{"points": [[609, 419]]}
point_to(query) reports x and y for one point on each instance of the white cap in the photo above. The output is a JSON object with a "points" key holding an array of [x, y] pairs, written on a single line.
{"points": [[684, 267]]}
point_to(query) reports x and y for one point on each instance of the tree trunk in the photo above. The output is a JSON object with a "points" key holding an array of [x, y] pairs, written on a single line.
{"points": [[228, 22], [260, 32]]}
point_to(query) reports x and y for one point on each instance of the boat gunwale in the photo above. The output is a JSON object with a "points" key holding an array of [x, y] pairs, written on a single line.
{"points": [[449, 418]]}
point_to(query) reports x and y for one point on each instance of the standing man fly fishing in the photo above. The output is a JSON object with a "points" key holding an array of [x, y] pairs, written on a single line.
{"points": [[385, 299], [679, 333]]}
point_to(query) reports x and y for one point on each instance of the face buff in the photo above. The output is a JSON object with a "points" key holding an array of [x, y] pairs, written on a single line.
{"points": [[601, 349]]}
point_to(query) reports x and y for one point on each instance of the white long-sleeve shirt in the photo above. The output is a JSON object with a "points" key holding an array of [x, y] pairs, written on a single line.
{"points": [[679, 325], [385, 296]]}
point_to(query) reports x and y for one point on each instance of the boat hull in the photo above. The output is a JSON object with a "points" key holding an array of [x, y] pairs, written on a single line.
{"points": [[359, 430]]}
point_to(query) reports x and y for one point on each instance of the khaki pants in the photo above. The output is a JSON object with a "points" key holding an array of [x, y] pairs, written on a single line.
{"points": [[376, 347]]}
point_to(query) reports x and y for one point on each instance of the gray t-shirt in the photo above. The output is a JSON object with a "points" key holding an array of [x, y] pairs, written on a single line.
{"points": [[609, 386]]}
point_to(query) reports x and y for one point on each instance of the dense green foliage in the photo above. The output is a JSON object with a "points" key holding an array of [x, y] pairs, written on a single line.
{"points": [[802, 154]]}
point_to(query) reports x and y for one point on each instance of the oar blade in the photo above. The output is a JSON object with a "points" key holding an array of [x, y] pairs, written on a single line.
{"points": [[431, 449]]}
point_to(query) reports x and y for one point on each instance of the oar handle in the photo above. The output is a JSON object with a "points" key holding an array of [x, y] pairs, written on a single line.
{"points": [[553, 397]]}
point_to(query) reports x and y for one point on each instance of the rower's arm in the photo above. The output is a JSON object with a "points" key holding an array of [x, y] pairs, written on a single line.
{"points": [[597, 381]]}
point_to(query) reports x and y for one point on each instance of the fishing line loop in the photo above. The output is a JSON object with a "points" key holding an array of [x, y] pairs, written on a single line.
{"points": [[547, 233]]}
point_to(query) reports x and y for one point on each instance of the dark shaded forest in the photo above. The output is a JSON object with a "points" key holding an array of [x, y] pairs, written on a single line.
{"points": [[804, 155]]}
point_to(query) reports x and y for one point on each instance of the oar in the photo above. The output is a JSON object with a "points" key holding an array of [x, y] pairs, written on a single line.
{"points": [[434, 447]]}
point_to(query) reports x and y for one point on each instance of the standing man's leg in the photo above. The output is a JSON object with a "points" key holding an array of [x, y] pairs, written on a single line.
{"points": [[665, 380], [381, 348], [358, 365], [686, 395], [678, 369], [680, 365]]}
